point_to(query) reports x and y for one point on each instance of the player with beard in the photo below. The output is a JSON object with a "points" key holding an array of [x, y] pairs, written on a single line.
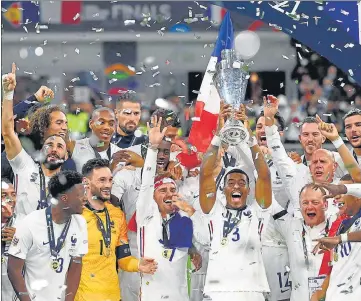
{"points": [[166, 226], [352, 124], [9, 221], [311, 140], [128, 113], [108, 242], [236, 226], [102, 125], [45, 255]]}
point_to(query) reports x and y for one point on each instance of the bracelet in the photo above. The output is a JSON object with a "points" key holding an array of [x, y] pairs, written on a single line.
{"points": [[344, 237], [252, 141], [338, 143], [216, 141]]}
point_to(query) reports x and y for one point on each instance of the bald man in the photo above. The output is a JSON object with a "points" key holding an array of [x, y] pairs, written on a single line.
{"points": [[102, 125]]}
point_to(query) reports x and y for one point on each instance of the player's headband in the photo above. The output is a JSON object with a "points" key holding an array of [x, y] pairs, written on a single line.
{"points": [[160, 182]]}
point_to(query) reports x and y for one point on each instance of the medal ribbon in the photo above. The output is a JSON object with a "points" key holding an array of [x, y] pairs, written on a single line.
{"points": [[42, 203], [304, 245], [228, 226], [165, 232], [97, 155], [55, 249], [105, 231]]}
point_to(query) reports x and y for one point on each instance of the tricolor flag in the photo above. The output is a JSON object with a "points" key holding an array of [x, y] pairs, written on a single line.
{"points": [[21, 13], [216, 13], [348, 15], [60, 12], [208, 101]]}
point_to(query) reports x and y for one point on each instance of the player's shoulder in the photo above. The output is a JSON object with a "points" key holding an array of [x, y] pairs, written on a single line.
{"points": [[80, 220], [114, 212]]}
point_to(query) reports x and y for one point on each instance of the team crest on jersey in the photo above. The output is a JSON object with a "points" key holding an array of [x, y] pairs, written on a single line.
{"points": [[358, 223], [167, 253], [15, 241], [111, 224], [73, 240], [247, 213]]}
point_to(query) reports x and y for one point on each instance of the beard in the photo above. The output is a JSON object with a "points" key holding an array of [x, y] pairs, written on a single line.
{"points": [[127, 131], [97, 195], [52, 165]]}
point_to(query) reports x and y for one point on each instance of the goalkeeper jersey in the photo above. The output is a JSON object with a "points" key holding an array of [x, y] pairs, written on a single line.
{"points": [[99, 277]]}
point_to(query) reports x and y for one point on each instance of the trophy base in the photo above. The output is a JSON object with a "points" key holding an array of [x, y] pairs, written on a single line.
{"points": [[234, 133]]}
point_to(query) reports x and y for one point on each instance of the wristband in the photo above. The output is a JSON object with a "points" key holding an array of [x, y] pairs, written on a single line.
{"points": [[338, 143], [252, 141], [153, 146], [216, 141], [344, 237], [8, 95]]}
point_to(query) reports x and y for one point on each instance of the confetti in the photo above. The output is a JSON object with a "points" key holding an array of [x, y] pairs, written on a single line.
{"points": [[350, 71], [76, 16], [77, 50], [285, 57], [26, 30], [54, 201], [154, 68], [137, 35], [155, 74], [118, 54], [129, 22]]}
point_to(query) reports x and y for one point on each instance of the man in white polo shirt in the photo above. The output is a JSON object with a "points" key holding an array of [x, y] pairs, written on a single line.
{"points": [[50, 243]]}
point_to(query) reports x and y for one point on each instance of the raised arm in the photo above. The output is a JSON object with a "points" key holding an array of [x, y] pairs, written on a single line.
{"points": [[330, 132], [263, 184], [12, 143], [144, 209], [207, 183]]}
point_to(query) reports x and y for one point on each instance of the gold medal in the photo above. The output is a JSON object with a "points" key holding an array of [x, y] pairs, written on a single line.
{"points": [[107, 252], [335, 256], [167, 253], [224, 241], [54, 264], [2, 259]]}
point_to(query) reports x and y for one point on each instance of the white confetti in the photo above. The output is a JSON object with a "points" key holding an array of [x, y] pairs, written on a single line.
{"points": [[77, 50], [129, 22], [131, 68], [54, 201], [26, 30], [285, 57], [74, 79], [328, 115], [350, 71], [118, 54], [112, 80], [344, 12], [155, 74], [76, 16], [154, 68], [137, 35]]}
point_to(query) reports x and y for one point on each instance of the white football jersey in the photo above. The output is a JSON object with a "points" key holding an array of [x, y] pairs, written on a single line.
{"points": [[235, 262], [126, 187], [27, 183], [170, 280], [31, 243], [83, 152], [7, 291], [346, 271]]}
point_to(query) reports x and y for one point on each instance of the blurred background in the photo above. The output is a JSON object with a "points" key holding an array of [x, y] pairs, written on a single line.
{"points": [[88, 52]]}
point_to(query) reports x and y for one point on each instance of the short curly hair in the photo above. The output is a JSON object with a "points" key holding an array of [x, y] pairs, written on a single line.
{"points": [[40, 121], [63, 182]]}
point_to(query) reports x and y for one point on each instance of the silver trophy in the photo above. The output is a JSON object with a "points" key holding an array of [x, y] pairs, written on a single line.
{"points": [[230, 80]]}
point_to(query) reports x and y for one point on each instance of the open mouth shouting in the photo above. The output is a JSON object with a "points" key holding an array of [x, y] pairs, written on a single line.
{"points": [[53, 157], [319, 174], [105, 192], [161, 164], [355, 139], [236, 196]]}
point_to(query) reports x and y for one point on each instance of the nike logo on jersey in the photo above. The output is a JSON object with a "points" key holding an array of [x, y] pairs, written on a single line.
{"points": [[283, 291], [45, 243]]}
